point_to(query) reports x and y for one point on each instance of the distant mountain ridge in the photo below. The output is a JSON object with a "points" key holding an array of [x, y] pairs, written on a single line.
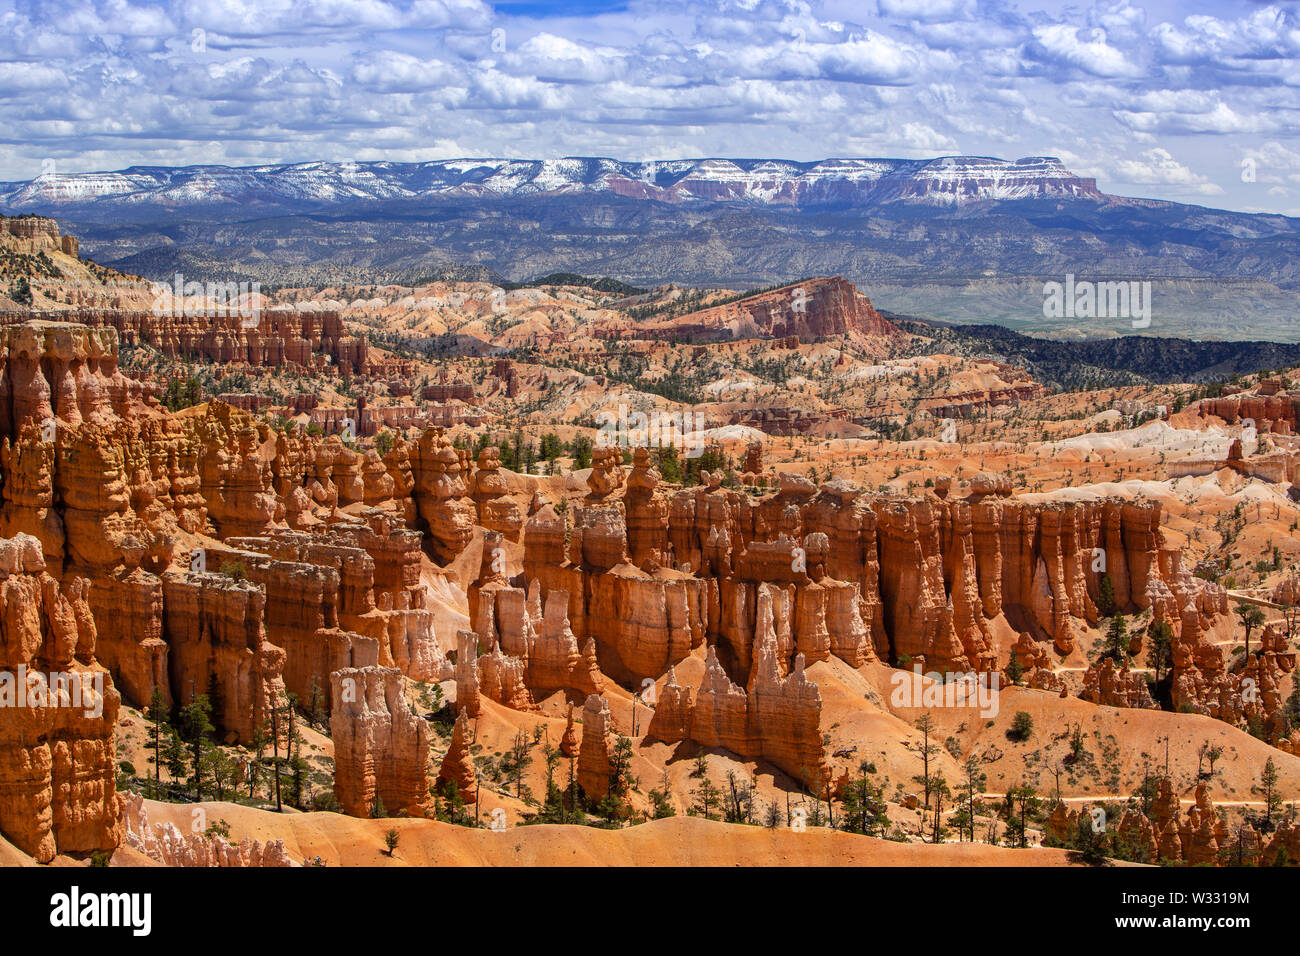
{"points": [[946, 181], [960, 238]]}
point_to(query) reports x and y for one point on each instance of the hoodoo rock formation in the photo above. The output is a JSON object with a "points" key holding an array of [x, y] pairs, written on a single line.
{"points": [[206, 551], [58, 708], [864, 575], [381, 748], [458, 765], [594, 764], [239, 332], [776, 719]]}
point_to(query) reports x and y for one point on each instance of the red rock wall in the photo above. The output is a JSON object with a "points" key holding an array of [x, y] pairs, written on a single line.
{"points": [[57, 758]]}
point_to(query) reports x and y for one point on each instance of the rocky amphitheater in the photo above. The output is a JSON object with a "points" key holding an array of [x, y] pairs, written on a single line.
{"points": [[413, 647]]}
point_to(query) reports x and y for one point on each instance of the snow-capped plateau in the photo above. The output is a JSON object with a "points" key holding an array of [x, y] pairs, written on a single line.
{"points": [[946, 181]]}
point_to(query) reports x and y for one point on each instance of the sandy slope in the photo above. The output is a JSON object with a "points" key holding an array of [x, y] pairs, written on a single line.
{"points": [[680, 841]]}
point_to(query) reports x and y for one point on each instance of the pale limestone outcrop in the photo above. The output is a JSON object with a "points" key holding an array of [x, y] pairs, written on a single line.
{"points": [[166, 844]]}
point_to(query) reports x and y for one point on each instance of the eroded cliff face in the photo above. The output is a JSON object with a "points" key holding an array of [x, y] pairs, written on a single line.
{"points": [[215, 630], [107, 483], [1203, 678], [1270, 413], [58, 708], [534, 643], [776, 718], [814, 308], [238, 332], [861, 575]]}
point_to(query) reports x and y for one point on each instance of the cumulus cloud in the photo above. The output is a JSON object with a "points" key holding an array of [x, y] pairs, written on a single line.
{"points": [[928, 11], [1086, 50], [1158, 167], [1122, 85]]}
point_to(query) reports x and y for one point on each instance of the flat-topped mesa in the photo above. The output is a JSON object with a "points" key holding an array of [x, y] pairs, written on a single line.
{"points": [[35, 234], [810, 309], [381, 747], [57, 757]]}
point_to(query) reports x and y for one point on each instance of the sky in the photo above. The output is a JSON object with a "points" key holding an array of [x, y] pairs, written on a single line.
{"points": [[1197, 102]]}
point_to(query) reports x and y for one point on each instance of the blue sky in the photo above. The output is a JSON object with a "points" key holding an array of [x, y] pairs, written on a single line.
{"points": [[1198, 102]]}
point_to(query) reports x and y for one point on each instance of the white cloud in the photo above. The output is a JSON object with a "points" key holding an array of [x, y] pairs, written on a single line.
{"points": [[928, 11], [390, 71], [109, 83], [1086, 50], [1158, 167]]}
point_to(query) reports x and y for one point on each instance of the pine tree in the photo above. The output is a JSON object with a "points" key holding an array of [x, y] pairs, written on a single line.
{"points": [[1015, 670], [1106, 596], [196, 727], [159, 726], [974, 781], [1160, 654], [1272, 798], [176, 755], [1117, 642], [707, 796]]}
